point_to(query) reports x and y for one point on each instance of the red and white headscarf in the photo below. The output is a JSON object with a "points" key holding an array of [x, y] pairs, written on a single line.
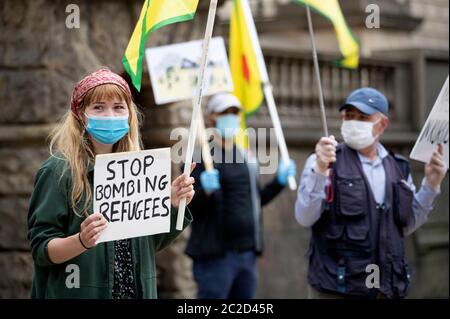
{"points": [[99, 77]]}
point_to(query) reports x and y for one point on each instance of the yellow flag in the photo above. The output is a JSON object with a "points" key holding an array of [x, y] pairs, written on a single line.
{"points": [[243, 63], [154, 15], [244, 68], [348, 44]]}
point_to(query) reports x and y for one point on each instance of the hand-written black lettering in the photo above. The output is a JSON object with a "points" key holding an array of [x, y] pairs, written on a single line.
{"points": [[114, 211], [155, 206], [103, 210], [123, 168], [110, 170], [122, 162], [135, 210], [127, 178], [136, 167], [166, 206], [436, 132], [131, 187]]}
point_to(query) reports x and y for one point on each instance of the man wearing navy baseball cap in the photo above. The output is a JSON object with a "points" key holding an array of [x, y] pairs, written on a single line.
{"points": [[360, 201]]}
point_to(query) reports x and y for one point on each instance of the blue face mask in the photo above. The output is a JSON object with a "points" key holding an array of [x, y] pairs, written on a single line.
{"points": [[228, 125], [107, 129]]}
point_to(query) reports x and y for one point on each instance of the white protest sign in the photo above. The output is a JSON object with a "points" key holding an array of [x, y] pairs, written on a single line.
{"points": [[132, 191], [435, 130], [174, 70]]}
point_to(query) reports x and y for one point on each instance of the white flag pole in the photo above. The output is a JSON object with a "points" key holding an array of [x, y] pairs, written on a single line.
{"points": [[206, 153], [196, 111], [267, 88], [316, 68]]}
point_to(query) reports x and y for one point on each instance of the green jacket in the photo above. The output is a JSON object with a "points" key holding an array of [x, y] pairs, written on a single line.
{"points": [[50, 216]]}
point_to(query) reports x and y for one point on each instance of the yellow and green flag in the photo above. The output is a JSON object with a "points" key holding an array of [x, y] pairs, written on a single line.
{"points": [[348, 44], [244, 67], [154, 15]]}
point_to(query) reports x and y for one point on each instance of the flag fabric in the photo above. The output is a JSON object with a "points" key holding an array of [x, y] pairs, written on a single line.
{"points": [[244, 68], [348, 44], [155, 14], [243, 63]]}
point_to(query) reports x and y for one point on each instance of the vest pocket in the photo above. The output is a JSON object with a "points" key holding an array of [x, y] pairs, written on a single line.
{"points": [[401, 278], [403, 199], [352, 232], [349, 276], [335, 232], [357, 232], [351, 195], [348, 240]]}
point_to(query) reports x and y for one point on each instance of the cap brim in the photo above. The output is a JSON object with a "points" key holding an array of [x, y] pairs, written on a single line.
{"points": [[364, 108], [222, 108]]}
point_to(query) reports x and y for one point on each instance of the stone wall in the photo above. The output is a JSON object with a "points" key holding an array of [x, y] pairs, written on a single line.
{"points": [[40, 60], [403, 25], [431, 33]]}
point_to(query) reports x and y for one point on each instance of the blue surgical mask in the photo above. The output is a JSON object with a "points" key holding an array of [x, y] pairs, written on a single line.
{"points": [[228, 125], [107, 129]]}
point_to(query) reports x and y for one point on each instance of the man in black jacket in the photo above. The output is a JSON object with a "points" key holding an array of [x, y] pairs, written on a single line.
{"points": [[226, 233]]}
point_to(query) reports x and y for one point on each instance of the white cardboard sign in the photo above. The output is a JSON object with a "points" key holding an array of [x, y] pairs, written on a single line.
{"points": [[174, 70], [435, 130], [132, 191]]}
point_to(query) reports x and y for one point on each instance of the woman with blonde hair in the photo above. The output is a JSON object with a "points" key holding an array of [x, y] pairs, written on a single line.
{"points": [[63, 229]]}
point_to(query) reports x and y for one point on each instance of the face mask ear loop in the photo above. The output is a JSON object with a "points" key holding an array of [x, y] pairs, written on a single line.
{"points": [[82, 122], [373, 125]]}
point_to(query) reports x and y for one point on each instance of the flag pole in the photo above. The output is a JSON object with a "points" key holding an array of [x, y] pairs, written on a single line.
{"points": [[206, 155], [197, 101], [267, 89], [317, 71]]}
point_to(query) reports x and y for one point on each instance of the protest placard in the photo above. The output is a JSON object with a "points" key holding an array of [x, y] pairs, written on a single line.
{"points": [[174, 70], [132, 191], [435, 130]]}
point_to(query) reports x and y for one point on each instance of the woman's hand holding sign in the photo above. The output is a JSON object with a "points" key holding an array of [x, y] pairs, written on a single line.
{"points": [[90, 230], [182, 187], [61, 250]]}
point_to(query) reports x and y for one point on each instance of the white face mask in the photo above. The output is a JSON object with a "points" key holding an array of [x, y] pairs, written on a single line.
{"points": [[358, 134]]}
